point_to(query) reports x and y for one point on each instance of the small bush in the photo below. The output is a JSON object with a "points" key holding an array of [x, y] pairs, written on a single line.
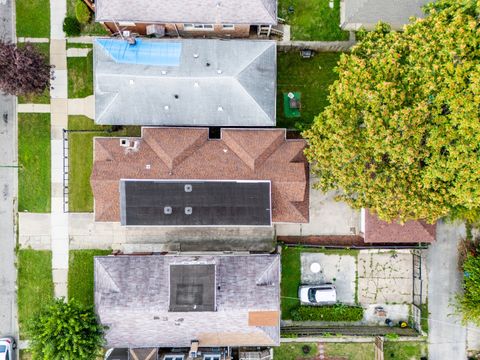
{"points": [[71, 26], [328, 313], [392, 336], [82, 12]]}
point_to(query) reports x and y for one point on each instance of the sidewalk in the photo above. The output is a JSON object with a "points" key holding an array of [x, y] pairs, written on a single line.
{"points": [[59, 121]]}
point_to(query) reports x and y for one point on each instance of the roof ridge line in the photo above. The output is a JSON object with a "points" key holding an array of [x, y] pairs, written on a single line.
{"points": [[274, 19]]}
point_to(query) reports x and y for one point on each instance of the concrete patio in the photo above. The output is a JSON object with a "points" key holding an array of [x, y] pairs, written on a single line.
{"points": [[339, 270]]}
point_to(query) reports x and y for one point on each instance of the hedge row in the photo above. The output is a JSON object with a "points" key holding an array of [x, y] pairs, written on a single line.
{"points": [[327, 313]]}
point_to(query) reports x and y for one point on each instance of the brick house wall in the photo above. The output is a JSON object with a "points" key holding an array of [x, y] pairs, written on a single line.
{"points": [[239, 31]]}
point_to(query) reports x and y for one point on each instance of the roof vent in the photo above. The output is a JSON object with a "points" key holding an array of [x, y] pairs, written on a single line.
{"points": [[195, 56], [188, 210], [167, 210], [188, 188], [147, 166], [166, 107], [176, 96], [124, 142], [195, 84], [219, 71], [131, 82], [207, 64], [164, 72], [220, 108]]}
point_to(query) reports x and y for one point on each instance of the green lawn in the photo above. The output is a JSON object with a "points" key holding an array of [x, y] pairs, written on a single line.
{"points": [[351, 351], [404, 350], [34, 161], [44, 97], [290, 280], [80, 159], [291, 276], [80, 76], [35, 284], [33, 18], [311, 77], [312, 20], [293, 351], [92, 28], [80, 274]]}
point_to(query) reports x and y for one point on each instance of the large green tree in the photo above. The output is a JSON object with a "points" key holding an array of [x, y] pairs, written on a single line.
{"points": [[402, 132], [65, 331]]}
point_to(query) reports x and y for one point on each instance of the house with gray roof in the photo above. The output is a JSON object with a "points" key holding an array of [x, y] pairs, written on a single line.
{"points": [[179, 306], [185, 82], [226, 18], [355, 14]]}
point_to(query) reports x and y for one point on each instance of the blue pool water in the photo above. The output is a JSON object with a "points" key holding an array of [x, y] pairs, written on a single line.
{"points": [[159, 53]]}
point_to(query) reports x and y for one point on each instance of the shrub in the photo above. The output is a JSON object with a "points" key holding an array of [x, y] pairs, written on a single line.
{"points": [[71, 26], [328, 313], [82, 12], [65, 330], [469, 300]]}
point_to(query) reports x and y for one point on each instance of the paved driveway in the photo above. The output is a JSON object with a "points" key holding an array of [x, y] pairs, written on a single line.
{"points": [[8, 191], [337, 269], [446, 337]]}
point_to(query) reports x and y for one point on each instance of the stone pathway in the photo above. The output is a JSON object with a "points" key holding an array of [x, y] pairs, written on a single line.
{"points": [[59, 121]]}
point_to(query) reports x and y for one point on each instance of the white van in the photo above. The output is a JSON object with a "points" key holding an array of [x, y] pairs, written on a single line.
{"points": [[317, 294]]}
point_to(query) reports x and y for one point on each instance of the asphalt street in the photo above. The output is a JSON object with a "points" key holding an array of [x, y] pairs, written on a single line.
{"points": [[8, 191]]}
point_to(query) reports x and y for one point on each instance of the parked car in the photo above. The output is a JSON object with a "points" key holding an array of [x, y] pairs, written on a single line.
{"points": [[7, 348], [325, 294]]}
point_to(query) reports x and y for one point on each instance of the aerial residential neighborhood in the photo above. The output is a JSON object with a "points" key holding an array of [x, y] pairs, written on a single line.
{"points": [[240, 180]]}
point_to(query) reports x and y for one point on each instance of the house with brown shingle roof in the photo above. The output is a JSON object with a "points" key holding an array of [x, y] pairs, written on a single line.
{"points": [[225, 18], [182, 177], [375, 230]]}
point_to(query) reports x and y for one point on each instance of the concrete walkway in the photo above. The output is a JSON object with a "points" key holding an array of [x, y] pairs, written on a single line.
{"points": [[33, 108], [80, 106], [59, 121], [78, 52], [447, 336], [84, 106], [33, 40], [84, 233]]}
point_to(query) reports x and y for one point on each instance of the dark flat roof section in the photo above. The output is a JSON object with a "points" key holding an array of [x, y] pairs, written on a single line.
{"points": [[192, 288], [195, 203]]}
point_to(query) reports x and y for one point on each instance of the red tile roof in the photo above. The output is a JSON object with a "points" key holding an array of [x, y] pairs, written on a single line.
{"points": [[379, 231], [187, 153]]}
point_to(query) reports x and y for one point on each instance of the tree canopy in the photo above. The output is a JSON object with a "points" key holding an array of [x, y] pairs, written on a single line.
{"points": [[65, 331], [23, 70], [401, 135]]}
